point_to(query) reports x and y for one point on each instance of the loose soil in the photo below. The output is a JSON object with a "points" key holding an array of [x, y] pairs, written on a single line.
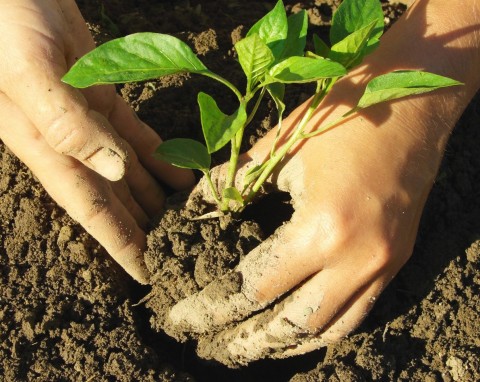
{"points": [[68, 313]]}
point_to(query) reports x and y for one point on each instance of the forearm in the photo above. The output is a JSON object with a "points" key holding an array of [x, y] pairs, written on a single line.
{"points": [[428, 38], [431, 37]]}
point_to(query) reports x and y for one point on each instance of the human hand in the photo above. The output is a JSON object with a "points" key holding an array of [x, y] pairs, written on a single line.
{"points": [[358, 192], [358, 196], [88, 149]]}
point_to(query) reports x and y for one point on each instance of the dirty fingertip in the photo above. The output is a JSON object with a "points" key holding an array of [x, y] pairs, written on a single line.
{"points": [[230, 347], [141, 275], [220, 303]]}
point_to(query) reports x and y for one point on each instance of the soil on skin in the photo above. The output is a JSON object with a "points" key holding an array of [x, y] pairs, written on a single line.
{"points": [[185, 255], [68, 313]]}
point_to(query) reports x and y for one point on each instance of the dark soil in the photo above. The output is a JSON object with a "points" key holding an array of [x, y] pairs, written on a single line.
{"points": [[68, 313], [184, 255]]}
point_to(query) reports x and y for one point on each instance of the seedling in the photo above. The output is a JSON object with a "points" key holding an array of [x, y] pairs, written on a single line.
{"points": [[272, 55]]}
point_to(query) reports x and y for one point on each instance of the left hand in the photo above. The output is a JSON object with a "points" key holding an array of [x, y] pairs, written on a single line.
{"points": [[88, 148]]}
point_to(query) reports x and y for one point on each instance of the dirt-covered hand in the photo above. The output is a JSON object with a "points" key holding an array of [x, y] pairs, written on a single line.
{"points": [[88, 149], [358, 192], [357, 198]]}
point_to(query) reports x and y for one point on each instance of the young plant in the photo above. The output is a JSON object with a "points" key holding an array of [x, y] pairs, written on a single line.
{"points": [[272, 55]]}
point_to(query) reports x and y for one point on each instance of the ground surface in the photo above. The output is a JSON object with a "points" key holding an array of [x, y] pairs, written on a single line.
{"points": [[67, 313]]}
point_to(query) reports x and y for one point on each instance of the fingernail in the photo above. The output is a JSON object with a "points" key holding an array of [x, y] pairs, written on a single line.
{"points": [[108, 163]]}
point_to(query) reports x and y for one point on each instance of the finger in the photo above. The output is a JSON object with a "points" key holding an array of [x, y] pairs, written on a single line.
{"points": [[274, 267], [144, 140], [148, 196], [87, 197], [347, 319], [144, 188], [122, 192], [290, 328], [58, 111]]}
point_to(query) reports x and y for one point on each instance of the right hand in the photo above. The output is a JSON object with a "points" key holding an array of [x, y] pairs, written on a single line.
{"points": [[87, 148], [358, 192]]}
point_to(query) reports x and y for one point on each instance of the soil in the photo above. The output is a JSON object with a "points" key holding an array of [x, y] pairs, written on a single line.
{"points": [[184, 254], [69, 313]]}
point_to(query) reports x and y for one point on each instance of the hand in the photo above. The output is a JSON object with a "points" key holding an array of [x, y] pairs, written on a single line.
{"points": [[88, 149], [358, 196], [358, 192]]}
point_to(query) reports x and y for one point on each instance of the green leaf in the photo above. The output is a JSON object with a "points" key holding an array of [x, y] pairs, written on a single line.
{"points": [[255, 58], [305, 69], [184, 153], [272, 29], [350, 51], [136, 57], [353, 15], [233, 194], [321, 49], [218, 128], [401, 84], [296, 35]]}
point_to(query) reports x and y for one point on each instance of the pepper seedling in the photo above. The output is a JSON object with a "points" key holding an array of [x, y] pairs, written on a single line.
{"points": [[272, 55]]}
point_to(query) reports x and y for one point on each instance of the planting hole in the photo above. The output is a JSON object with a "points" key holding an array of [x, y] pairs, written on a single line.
{"points": [[270, 211]]}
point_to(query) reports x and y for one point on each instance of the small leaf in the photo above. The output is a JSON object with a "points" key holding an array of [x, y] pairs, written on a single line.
{"points": [[136, 57], [304, 69], [321, 49], [255, 58], [350, 51], [233, 194], [184, 153], [400, 84], [296, 35], [272, 29], [353, 15], [218, 128]]}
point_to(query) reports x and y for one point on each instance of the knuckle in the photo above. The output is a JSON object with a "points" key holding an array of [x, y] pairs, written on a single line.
{"points": [[382, 255], [334, 228], [65, 136]]}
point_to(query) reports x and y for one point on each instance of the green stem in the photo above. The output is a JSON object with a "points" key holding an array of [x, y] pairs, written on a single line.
{"points": [[322, 90], [235, 144], [232, 169], [255, 107], [212, 187], [227, 83], [325, 128]]}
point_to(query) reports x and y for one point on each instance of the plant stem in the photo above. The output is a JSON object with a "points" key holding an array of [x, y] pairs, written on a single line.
{"points": [[232, 167], [235, 144], [255, 107], [227, 83], [323, 88], [212, 187]]}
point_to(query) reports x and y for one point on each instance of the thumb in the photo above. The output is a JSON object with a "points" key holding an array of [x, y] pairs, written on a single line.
{"points": [[69, 126], [218, 177], [60, 113]]}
